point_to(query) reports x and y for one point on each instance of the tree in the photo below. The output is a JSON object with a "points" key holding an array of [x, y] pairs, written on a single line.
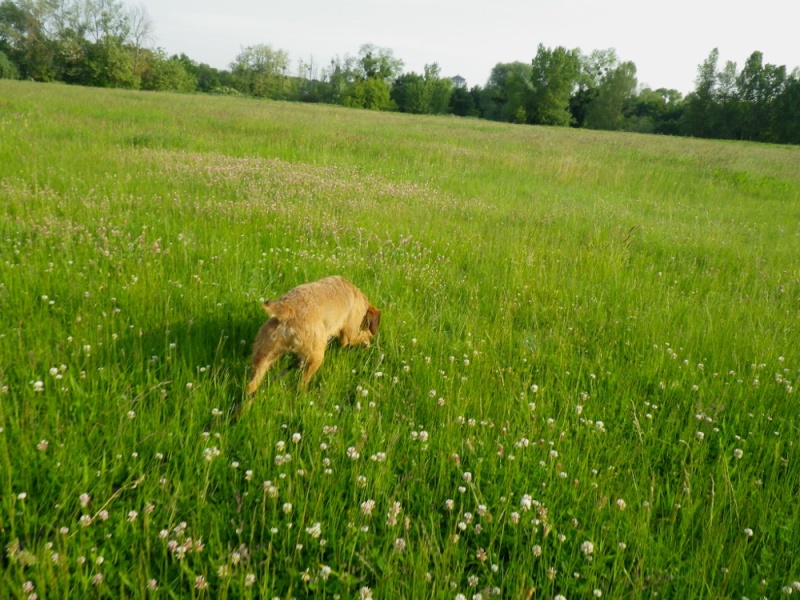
{"points": [[428, 94], [462, 102], [140, 32], [25, 39], [8, 70], [655, 111], [699, 119], [372, 94], [507, 94], [554, 76], [261, 71], [378, 63], [758, 87], [617, 87], [160, 73]]}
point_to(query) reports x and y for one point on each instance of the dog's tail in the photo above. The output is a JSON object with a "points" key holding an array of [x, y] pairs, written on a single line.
{"points": [[279, 310]]}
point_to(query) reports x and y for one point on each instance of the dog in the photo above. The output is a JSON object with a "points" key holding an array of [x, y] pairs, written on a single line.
{"points": [[306, 318]]}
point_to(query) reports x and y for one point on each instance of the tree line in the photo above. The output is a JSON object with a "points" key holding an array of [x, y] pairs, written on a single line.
{"points": [[104, 43]]}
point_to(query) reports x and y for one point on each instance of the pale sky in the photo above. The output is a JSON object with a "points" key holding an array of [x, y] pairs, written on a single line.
{"points": [[666, 40]]}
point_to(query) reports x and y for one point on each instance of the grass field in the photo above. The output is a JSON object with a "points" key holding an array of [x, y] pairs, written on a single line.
{"points": [[585, 383]]}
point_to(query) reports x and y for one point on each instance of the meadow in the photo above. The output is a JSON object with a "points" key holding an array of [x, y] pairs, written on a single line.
{"points": [[585, 383]]}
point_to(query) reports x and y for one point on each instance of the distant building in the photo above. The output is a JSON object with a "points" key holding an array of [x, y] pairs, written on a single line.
{"points": [[459, 81]]}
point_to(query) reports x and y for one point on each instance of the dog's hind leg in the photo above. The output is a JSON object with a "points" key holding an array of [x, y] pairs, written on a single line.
{"points": [[312, 363]]}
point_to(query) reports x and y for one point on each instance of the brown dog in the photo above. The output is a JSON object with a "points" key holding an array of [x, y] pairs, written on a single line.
{"points": [[305, 318]]}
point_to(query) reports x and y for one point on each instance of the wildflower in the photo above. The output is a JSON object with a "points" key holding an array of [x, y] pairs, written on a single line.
{"points": [[287, 508], [38, 386], [131, 415], [472, 580], [587, 547], [467, 477], [367, 507], [152, 585], [296, 437], [315, 530], [738, 453], [85, 520], [42, 446], [399, 545], [365, 593], [28, 587], [449, 504], [132, 515], [514, 518], [597, 593], [481, 555], [621, 504], [352, 453], [537, 550], [700, 435], [84, 499], [394, 512], [526, 502], [249, 579], [97, 579], [748, 532], [200, 582]]}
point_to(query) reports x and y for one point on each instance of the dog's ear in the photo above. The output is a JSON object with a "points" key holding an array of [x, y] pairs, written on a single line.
{"points": [[372, 320]]}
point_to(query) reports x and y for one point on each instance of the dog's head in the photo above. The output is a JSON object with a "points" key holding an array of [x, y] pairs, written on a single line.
{"points": [[372, 320]]}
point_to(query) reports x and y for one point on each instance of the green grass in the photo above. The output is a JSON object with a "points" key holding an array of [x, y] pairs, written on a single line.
{"points": [[586, 337]]}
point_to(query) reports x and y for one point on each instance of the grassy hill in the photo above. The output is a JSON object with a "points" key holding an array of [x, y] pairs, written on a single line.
{"points": [[585, 380]]}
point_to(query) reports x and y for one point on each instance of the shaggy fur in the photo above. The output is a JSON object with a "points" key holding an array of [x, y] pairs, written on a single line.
{"points": [[305, 318]]}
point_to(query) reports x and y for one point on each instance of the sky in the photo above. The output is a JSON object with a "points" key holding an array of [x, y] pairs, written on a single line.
{"points": [[666, 40]]}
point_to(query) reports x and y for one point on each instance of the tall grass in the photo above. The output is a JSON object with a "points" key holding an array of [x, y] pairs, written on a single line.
{"points": [[585, 381]]}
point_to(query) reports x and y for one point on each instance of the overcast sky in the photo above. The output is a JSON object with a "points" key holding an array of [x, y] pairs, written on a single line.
{"points": [[666, 40]]}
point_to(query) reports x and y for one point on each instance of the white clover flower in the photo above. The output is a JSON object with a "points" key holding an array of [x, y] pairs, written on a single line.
{"points": [[315, 531], [748, 532], [738, 453], [467, 476], [42, 445], [249, 579], [621, 504], [368, 506], [587, 547], [132, 516], [38, 386]]}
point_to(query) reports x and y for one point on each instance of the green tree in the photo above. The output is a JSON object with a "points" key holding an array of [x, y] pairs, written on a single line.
{"points": [[700, 116], [507, 94], [160, 73], [261, 71], [25, 39], [617, 87], [372, 94], [428, 94], [462, 102], [378, 63], [8, 70], [759, 86], [554, 77]]}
